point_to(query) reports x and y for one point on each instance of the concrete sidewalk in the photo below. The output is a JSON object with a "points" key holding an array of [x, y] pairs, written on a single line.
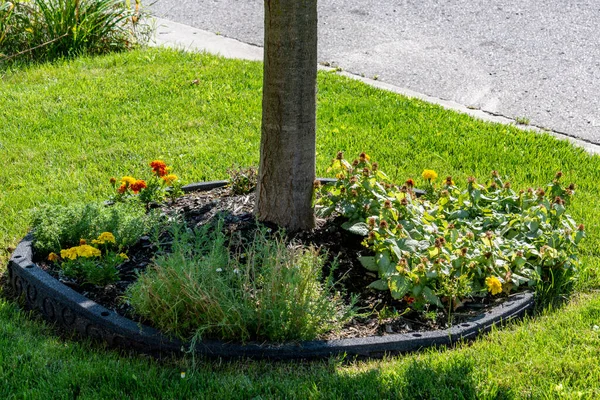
{"points": [[175, 35]]}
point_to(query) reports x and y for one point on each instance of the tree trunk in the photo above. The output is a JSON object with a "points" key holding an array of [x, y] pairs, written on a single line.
{"points": [[288, 141]]}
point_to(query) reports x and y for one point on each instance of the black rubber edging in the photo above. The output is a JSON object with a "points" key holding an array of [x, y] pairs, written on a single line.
{"points": [[74, 312]]}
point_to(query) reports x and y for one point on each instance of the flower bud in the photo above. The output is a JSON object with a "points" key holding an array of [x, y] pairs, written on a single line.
{"points": [[340, 155]]}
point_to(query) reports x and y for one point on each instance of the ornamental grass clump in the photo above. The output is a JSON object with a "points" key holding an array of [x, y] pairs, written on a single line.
{"points": [[40, 30], [263, 290], [454, 243]]}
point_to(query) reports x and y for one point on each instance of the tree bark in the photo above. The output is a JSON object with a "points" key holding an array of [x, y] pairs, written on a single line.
{"points": [[288, 140]]}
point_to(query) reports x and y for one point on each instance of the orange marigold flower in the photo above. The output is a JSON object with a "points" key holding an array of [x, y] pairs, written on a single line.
{"points": [[82, 241], [159, 168], [122, 189], [53, 257], [138, 185]]}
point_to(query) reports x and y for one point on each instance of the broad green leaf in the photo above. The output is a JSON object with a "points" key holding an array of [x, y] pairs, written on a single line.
{"points": [[358, 228], [399, 286], [430, 297], [369, 263], [386, 267], [379, 285]]}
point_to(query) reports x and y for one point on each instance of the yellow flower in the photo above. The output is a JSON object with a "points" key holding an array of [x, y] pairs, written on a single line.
{"points": [[340, 175], [124, 256], [104, 237], [493, 284], [128, 180], [169, 179], [87, 251], [52, 257], [71, 253], [429, 175]]}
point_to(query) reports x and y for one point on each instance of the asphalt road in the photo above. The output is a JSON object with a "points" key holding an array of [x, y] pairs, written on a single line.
{"points": [[538, 60]]}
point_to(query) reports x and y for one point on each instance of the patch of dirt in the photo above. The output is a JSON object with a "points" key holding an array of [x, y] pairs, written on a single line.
{"points": [[380, 314]]}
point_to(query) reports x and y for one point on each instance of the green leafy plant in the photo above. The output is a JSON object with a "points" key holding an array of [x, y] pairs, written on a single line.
{"points": [[265, 289], [242, 180], [454, 242]]}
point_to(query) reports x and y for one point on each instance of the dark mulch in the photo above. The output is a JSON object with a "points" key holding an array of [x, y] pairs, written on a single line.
{"points": [[377, 307]]}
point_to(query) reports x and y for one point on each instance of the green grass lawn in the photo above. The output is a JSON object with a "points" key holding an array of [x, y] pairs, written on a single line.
{"points": [[66, 128]]}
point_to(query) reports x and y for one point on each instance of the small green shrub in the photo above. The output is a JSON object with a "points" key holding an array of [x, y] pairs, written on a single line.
{"points": [[50, 29], [265, 290], [57, 227], [453, 242]]}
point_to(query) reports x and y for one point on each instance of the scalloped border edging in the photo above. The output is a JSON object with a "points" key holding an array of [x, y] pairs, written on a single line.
{"points": [[74, 312]]}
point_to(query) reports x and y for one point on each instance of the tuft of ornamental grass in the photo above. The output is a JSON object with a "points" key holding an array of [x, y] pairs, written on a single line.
{"points": [[41, 30], [266, 289]]}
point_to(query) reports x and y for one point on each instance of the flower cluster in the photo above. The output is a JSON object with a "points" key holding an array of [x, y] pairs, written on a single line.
{"points": [[84, 250], [447, 243], [151, 190], [130, 183], [89, 262]]}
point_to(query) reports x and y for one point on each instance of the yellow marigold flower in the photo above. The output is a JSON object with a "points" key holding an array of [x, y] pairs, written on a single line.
{"points": [[169, 179], [82, 241], [429, 174], [493, 284], [71, 253], [87, 251], [52, 257], [124, 256], [340, 175], [128, 180], [106, 237]]}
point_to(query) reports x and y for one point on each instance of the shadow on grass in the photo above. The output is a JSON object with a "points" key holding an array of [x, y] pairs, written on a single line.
{"points": [[454, 378]]}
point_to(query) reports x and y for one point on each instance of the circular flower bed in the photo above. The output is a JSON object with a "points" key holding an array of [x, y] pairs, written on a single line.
{"points": [[387, 269]]}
